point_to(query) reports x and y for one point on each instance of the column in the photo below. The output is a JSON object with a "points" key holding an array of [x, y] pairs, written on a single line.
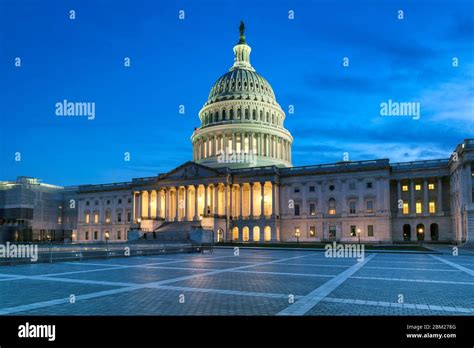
{"points": [[225, 200], [140, 204], [186, 202], [231, 203], [167, 204], [149, 204], [251, 199], [196, 201], [241, 205], [176, 200], [135, 206], [425, 198], [205, 201], [439, 207], [412, 199], [273, 200], [262, 194], [233, 143], [216, 199], [399, 196], [158, 202]]}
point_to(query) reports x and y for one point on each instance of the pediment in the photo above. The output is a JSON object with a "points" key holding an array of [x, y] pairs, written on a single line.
{"points": [[190, 170]]}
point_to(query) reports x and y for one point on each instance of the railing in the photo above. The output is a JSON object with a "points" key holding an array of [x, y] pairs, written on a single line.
{"points": [[78, 252]]}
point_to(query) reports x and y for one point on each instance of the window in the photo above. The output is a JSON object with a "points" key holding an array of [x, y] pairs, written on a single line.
{"points": [[370, 230], [87, 218], [96, 217], [352, 186], [432, 207], [331, 187], [119, 234], [311, 189], [96, 235], [431, 186], [406, 208], [296, 190], [129, 216], [119, 217], [312, 209], [417, 187], [297, 210], [353, 231], [419, 208], [107, 216], [369, 185], [108, 201], [87, 203], [119, 201], [370, 206], [352, 207], [96, 202], [60, 220], [87, 235], [129, 200], [312, 231], [332, 206], [405, 188]]}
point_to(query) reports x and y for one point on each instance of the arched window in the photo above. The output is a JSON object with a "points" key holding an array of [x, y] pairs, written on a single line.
{"points": [[434, 232], [406, 233], [420, 232], [247, 114], [245, 234], [254, 114], [231, 114], [235, 234], [223, 114], [256, 234], [267, 233], [332, 206]]}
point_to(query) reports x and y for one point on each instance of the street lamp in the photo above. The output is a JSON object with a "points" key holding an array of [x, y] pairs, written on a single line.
{"points": [[297, 235], [358, 234], [420, 231], [107, 236]]}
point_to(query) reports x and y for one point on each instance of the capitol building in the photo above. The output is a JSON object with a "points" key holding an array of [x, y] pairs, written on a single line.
{"points": [[241, 185]]}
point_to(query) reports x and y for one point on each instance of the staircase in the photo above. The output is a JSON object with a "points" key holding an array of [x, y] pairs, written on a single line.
{"points": [[177, 231]]}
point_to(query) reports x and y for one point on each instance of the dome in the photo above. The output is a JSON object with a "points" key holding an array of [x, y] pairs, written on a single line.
{"points": [[241, 83], [241, 121]]}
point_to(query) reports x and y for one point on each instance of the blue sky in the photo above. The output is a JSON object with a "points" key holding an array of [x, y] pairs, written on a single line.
{"points": [[176, 62]]}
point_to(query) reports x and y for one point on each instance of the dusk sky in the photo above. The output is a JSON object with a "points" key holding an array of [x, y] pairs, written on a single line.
{"points": [[174, 62]]}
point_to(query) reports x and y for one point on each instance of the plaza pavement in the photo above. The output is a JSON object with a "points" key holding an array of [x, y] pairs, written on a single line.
{"points": [[257, 282]]}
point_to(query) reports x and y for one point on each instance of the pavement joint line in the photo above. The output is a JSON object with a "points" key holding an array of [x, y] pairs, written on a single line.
{"points": [[399, 305], [414, 280], [43, 304], [305, 304], [455, 265]]}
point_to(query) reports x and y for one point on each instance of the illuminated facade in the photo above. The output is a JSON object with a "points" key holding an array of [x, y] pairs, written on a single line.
{"points": [[242, 186]]}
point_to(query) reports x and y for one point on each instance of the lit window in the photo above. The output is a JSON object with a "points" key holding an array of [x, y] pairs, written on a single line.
{"points": [[406, 208], [432, 207], [96, 218], [332, 206], [312, 209], [431, 186], [88, 218], [417, 187], [312, 231], [418, 207], [405, 188], [107, 216]]}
